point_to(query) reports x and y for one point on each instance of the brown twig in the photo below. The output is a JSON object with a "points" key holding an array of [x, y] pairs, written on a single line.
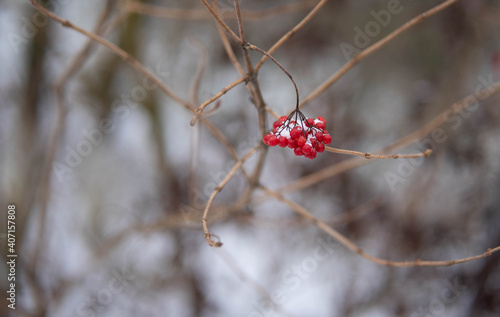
{"points": [[117, 50], [199, 110], [367, 155], [227, 46], [252, 85], [236, 64], [441, 118], [290, 33], [255, 48], [218, 189], [356, 249], [255, 91], [221, 23], [369, 50], [141, 69], [194, 99], [240, 21], [252, 81]]}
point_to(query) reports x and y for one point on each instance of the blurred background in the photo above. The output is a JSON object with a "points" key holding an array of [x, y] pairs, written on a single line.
{"points": [[110, 180]]}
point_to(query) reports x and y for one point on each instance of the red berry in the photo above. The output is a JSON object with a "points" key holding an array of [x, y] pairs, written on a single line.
{"points": [[321, 125], [313, 142], [327, 139], [266, 138], [312, 155], [301, 141], [319, 136], [295, 133], [273, 140], [305, 137], [298, 151], [283, 141], [320, 147], [306, 149]]}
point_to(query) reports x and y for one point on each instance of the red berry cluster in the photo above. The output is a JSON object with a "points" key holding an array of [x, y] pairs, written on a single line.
{"points": [[306, 137]]}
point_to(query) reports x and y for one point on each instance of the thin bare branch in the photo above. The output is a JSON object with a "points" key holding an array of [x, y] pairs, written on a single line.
{"points": [[120, 52], [227, 46], [290, 33], [356, 249], [255, 48], [441, 118], [221, 23], [240, 21], [83, 54], [367, 155], [143, 70], [224, 90], [349, 164], [254, 89], [369, 50], [218, 189]]}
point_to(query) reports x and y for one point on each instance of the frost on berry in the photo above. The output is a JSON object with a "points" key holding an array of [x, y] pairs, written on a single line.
{"points": [[306, 136]]}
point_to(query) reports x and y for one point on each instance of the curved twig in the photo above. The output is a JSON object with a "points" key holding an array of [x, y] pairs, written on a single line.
{"points": [[255, 48], [356, 249], [218, 189]]}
